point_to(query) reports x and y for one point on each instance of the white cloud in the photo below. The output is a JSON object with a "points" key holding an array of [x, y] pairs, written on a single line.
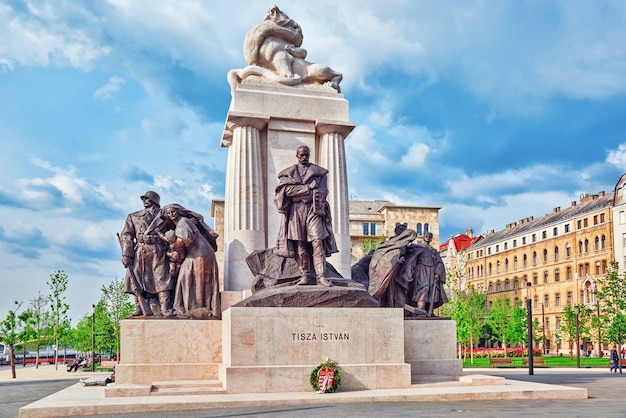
{"points": [[415, 157], [106, 92], [618, 157]]}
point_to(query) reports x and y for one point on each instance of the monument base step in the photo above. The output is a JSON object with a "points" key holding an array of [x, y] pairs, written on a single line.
{"points": [[187, 387]]}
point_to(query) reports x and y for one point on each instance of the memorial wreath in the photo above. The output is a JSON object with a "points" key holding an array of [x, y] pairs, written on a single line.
{"points": [[326, 377]]}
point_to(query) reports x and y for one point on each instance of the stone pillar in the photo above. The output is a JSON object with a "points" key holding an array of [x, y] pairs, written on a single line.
{"points": [[245, 214], [332, 156]]}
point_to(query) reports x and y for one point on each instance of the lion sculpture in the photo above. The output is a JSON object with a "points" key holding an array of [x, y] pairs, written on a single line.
{"points": [[273, 51]]}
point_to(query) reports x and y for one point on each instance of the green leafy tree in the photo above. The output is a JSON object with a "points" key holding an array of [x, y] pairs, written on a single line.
{"points": [[517, 329], [612, 291], [571, 316], [468, 310], [39, 327], [114, 306], [498, 319], [59, 322], [537, 332], [14, 333], [80, 335], [372, 244]]}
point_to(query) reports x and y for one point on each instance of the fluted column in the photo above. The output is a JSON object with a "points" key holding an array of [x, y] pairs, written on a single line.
{"points": [[332, 156], [244, 206]]}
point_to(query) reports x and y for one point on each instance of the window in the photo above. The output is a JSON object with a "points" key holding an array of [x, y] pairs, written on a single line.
{"points": [[506, 245], [557, 275], [622, 217], [490, 287], [585, 223], [516, 283], [372, 229], [536, 302], [580, 247], [515, 262], [497, 247], [535, 281], [555, 231], [546, 301], [534, 257], [545, 255], [514, 243], [498, 267], [569, 298], [595, 219], [544, 234], [603, 266], [602, 218], [489, 269], [597, 267], [533, 238], [426, 228], [545, 276], [579, 224], [603, 242], [556, 253], [418, 229], [507, 284], [566, 228], [568, 250], [596, 244], [547, 325], [488, 250], [524, 261], [568, 273], [557, 300], [586, 245], [506, 264], [366, 228], [558, 323], [523, 240]]}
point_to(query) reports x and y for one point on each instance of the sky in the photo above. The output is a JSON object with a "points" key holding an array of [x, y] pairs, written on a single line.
{"points": [[493, 110]]}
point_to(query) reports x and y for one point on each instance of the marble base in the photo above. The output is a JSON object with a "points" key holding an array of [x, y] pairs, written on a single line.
{"points": [[263, 350]]}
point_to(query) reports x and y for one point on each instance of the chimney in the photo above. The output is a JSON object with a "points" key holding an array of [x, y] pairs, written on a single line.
{"points": [[556, 209], [470, 232], [601, 194], [573, 203]]}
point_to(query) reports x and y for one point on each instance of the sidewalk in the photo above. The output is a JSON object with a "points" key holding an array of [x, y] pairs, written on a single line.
{"points": [[78, 400], [44, 372]]}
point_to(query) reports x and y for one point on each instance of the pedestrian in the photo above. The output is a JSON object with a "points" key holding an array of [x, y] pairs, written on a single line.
{"points": [[614, 359], [623, 352]]}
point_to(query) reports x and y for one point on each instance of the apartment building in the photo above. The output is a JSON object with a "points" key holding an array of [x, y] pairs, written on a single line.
{"points": [[561, 254]]}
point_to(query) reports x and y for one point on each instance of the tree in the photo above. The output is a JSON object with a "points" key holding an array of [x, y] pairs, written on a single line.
{"points": [[59, 323], [38, 328], [114, 306], [517, 328], [13, 332], [498, 319], [468, 310], [372, 244], [573, 315], [613, 294]]}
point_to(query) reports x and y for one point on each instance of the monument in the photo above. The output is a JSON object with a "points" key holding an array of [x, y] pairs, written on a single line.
{"points": [[288, 302]]}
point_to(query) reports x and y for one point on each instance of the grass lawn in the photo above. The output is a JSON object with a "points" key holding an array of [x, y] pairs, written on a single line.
{"points": [[551, 361]]}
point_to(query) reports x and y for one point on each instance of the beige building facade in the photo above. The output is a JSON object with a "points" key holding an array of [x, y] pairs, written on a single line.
{"points": [[562, 255], [377, 219]]}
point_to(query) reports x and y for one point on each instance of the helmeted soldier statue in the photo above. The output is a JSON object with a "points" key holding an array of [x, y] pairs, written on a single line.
{"points": [[144, 256]]}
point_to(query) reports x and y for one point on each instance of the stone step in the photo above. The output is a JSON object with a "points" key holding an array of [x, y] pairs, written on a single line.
{"points": [[187, 387]]}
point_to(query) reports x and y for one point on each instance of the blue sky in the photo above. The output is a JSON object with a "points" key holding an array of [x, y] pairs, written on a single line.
{"points": [[493, 110]]}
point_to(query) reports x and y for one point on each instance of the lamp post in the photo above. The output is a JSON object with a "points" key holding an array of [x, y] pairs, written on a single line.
{"points": [[93, 339], [529, 309]]}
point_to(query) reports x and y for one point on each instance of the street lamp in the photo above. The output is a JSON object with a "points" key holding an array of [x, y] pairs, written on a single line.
{"points": [[93, 339], [529, 309]]}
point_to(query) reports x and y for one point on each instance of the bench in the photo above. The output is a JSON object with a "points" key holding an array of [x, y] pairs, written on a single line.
{"points": [[107, 364], [501, 362], [536, 362], [623, 361]]}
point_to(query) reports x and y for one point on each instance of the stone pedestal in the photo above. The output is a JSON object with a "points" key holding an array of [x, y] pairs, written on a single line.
{"points": [[161, 350], [265, 125], [275, 349], [264, 350]]}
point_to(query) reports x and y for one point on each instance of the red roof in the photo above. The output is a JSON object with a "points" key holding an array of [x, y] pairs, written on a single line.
{"points": [[461, 242]]}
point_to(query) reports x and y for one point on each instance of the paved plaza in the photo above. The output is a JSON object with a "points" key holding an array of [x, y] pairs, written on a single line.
{"points": [[606, 393]]}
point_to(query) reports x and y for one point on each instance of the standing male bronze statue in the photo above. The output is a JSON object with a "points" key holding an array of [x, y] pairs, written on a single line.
{"points": [[144, 255], [305, 229]]}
